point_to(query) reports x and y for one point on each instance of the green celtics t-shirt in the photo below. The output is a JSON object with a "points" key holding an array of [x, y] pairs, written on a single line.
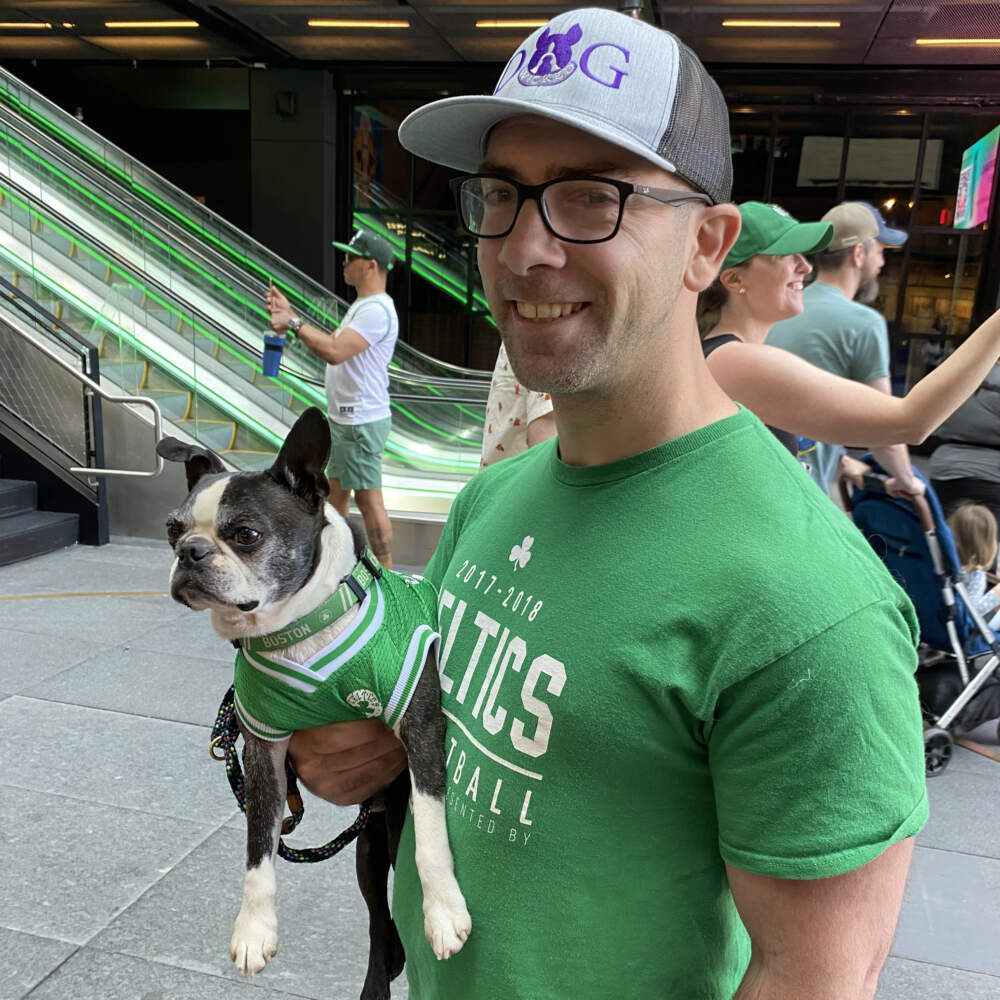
{"points": [[651, 668]]}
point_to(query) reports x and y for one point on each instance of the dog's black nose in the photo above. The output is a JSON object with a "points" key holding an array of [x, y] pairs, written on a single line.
{"points": [[193, 550]]}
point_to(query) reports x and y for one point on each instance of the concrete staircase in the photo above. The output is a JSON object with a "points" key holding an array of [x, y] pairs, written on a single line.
{"points": [[26, 531]]}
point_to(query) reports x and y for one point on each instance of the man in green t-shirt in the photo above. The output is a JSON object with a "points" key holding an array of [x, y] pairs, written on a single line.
{"points": [[684, 753]]}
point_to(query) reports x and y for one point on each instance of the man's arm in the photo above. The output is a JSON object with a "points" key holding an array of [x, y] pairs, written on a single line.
{"points": [[334, 348], [820, 939]]}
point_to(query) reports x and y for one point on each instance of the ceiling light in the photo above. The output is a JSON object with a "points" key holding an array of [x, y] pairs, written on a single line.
{"points": [[150, 24], [321, 22], [958, 41], [889, 202], [511, 24], [731, 23], [13, 25], [743, 111]]}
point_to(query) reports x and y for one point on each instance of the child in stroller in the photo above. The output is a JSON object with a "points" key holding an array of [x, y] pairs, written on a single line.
{"points": [[957, 678], [974, 529]]}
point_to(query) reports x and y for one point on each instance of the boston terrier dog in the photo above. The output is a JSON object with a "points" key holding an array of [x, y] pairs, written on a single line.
{"points": [[323, 634]]}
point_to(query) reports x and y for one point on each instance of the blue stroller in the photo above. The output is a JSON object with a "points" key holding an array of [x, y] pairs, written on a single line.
{"points": [[958, 682]]}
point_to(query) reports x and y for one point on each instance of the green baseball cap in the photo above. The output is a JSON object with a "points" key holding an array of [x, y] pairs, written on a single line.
{"points": [[770, 230], [371, 246]]}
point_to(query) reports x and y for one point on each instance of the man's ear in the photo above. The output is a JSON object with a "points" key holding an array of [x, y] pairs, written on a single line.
{"points": [[858, 254], [301, 464], [198, 462], [718, 227]]}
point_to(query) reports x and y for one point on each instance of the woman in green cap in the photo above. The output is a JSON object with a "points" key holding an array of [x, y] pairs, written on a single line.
{"points": [[760, 283]]}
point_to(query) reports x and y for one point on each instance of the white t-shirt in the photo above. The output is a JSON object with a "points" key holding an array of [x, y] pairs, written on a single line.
{"points": [[357, 390], [509, 409]]}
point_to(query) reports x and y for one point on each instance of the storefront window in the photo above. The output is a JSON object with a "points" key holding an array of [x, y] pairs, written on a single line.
{"points": [[882, 158], [750, 131], [807, 157]]}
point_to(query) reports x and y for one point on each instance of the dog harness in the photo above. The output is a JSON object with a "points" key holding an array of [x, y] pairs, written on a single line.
{"points": [[369, 670]]}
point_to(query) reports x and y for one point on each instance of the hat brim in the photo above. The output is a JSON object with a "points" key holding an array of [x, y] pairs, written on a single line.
{"points": [[454, 130], [347, 248], [892, 237], [805, 237]]}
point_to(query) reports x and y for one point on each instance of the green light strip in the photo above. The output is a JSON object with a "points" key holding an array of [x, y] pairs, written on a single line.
{"points": [[193, 385], [173, 310], [170, 252]]}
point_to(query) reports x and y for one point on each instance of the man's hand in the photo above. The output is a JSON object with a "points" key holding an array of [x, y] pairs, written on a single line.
{"points": [[278, 309], [347, 762]]}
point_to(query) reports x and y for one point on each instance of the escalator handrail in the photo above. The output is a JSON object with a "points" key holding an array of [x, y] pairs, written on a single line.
{"points": [[314, 290], [94, 388]]}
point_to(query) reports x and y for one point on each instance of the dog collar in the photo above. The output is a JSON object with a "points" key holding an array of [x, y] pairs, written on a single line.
{"points": [[351, 591]]}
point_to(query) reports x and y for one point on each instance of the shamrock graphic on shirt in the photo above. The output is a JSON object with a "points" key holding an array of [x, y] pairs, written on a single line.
{"points": [[520, 554]]}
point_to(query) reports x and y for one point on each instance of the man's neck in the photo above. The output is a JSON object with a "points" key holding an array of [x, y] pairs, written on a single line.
{"points": [[846, 279], [666, 402], [370, 286]]}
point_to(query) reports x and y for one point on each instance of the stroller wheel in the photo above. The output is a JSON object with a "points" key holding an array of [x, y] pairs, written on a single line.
{"points": [[938, 748]]}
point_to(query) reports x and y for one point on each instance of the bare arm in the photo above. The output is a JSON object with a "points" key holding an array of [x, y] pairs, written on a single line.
{"points": [[895, 458], [334, 348], [790, 393], [820, 939]]}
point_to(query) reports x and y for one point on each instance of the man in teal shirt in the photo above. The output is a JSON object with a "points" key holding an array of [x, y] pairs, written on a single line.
{"points": [[837, 331]]}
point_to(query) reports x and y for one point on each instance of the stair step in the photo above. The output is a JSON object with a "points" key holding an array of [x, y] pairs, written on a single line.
{"points": [[17, 496], [214, 434], [23, 536]]}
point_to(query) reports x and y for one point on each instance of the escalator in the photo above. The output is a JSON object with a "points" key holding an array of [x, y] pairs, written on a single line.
{"points": [[172, 295]]}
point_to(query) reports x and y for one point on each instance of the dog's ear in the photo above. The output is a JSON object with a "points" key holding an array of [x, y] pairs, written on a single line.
{"points": [[301, 464], [198, 462]]}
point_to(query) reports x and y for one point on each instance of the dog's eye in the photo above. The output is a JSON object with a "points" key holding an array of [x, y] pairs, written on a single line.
{"points": [[174, 530], [246, 536]]}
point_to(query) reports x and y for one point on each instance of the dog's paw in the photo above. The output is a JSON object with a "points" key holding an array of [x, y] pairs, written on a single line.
{"points": [[446, 923], [254, 942]]}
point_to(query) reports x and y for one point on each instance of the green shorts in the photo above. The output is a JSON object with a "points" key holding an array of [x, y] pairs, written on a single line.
{"points": [[356, 454]]}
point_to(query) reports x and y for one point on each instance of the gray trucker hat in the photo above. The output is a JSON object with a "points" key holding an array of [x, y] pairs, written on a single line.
{"points": [[371, 246], [607, 74]]}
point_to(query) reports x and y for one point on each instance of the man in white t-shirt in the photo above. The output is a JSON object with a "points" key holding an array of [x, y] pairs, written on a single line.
{"points": [[357, 382], [516, 417]]}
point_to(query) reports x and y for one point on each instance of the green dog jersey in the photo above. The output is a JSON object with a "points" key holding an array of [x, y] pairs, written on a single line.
{"points": [[369, 670]]}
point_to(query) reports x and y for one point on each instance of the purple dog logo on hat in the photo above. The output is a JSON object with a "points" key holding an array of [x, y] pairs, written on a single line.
{"points": [[552, 62]]}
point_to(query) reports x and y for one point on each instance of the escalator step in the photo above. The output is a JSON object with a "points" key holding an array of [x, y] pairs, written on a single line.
{"points": [[129, 375], [215, 434], [251, 461], [174, 403]]}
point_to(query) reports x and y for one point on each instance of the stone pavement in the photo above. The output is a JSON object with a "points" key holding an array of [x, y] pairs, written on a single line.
{"points": [[123, 849]]}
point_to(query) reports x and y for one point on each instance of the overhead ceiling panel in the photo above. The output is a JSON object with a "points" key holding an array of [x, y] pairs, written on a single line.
{"points": [[908, 21]]}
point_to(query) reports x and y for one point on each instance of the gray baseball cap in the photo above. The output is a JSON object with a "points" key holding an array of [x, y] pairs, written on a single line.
{"points": [[371, 246], [613, 76]]}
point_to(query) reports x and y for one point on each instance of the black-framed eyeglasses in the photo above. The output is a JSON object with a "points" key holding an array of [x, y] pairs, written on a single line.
{"points": [[582, 209]]}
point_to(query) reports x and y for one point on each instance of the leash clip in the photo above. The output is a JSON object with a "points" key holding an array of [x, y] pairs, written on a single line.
{"points": [[217, 749]]}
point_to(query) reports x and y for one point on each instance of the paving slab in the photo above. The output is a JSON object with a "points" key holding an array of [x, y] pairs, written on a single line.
{"points": [[98, 619], [29, 658], [903, 979], [27, 960], [70, 866], [97, 975], [186, 920], [951, 911], [175, 686], [142, 765], [190, 632], [965, 809]]}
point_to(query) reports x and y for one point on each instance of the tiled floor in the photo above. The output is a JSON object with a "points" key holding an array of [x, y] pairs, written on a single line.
{"points": [[122, 845]]}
